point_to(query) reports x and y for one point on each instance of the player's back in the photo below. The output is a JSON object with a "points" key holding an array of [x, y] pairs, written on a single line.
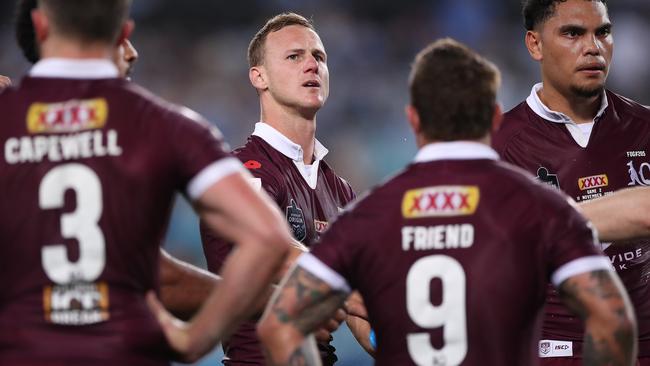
{"points": [[452, 258], [88, 177]]}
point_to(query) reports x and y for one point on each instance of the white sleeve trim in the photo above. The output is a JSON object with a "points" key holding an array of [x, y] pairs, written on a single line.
{"points": [[321, 270], [579, 266], [211, 174]]}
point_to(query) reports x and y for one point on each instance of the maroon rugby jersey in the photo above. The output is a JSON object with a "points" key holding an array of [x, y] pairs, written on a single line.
{"points": [[309, 202], [615, 156], [91, 165], [452, 258]]}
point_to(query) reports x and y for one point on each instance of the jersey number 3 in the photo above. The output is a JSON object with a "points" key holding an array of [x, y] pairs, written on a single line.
{"points": [[450, 314], [80, 224]]}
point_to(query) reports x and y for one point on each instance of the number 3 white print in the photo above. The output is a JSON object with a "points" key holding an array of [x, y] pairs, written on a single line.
{"points": [[450, 314], [80, 224]]}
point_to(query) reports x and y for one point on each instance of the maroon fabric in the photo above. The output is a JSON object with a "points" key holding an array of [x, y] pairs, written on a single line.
{"points": [[563, 361], [309, 212], [155, 152], [616, 157], [522, 232]]}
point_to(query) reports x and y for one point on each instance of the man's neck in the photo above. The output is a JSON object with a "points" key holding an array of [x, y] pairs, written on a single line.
{"points": [[57, 47], [579, 109], [297, 128]]}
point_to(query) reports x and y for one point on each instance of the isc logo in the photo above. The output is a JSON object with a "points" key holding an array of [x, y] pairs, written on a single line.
{"points": [[70, 116], [440, 201]]}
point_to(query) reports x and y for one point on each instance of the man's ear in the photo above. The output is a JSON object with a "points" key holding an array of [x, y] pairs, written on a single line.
{"points": [[413, 118], [41, 25], [497, 118], [257, 76], [534, 44], [125, 32]]}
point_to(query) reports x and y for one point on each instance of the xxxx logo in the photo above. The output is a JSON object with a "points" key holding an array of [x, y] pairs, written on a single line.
{"points": [[595, 181], [70, 116], [440, 201]]}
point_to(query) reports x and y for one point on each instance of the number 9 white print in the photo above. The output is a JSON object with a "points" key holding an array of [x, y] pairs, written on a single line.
{"points": [[80, 224], [450, 314]]}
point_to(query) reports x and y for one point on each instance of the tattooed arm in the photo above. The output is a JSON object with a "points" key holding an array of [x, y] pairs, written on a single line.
{"points": [[301, 304], [599, 298]]}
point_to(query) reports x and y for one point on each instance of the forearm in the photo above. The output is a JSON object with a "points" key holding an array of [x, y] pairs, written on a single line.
{"points": [[245, 277], [609, 343], [184, 287], [599, 298], [621, 216]]}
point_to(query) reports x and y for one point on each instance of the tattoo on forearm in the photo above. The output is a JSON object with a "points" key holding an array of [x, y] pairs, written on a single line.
{"points": [[315, 301], [305, 355], [601, 346]]}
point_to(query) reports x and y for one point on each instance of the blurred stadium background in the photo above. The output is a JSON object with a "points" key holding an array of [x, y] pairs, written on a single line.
{"points": [[193, 52]]}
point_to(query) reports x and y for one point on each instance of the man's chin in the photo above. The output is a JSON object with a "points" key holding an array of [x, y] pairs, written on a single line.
{"points": [[588, 91]]}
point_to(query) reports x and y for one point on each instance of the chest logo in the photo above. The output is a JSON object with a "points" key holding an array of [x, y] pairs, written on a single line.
{"points": [[639, 176], [296, 221], [253, 164], [595, 181], [544, 176], [440, 201]]}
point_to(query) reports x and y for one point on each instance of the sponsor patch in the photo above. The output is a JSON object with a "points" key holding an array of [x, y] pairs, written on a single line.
{"points": [[544, 176], [440, 201], [595, 181], [76, 304], [296, 221], [639, 176], [544, 348], [70, 116], [551, 348]]}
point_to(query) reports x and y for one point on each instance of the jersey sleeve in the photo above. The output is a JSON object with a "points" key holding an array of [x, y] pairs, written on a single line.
{"points": [[200, 155], [337, 250], [570, 241]]}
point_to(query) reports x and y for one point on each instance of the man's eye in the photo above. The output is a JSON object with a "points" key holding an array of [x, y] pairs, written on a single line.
{"points": [[292, 57]]}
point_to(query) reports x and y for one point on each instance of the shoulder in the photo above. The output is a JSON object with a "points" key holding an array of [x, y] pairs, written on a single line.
{"points": [[163, 113], [336, 179], [514, 122], [541, 195], [258, 157], [624, 105]]}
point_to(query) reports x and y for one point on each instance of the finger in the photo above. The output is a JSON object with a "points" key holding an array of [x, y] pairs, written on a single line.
{"points": [[331, 325], [356, 309], [4, 82], [322, 335], [340, 315]]}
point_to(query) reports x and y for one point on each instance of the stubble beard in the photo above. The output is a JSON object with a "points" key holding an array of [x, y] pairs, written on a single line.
{"points": [[587, 92]]}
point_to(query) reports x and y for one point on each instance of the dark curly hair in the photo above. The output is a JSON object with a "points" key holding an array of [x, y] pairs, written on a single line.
{"points": [[539, 11], [25, 34]]}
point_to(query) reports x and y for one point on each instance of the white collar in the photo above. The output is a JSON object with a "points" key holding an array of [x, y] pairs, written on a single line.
{"points": [[287, 147], [74, 69], [543, 111], [456, 150]]}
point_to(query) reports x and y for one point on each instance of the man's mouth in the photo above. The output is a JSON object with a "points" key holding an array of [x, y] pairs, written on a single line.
{"points": [[311, 84]]}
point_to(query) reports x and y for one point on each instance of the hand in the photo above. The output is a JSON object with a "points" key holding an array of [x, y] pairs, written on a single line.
{"points": [[324, 332], [5, 82], [355, 306], [176, 331]]}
